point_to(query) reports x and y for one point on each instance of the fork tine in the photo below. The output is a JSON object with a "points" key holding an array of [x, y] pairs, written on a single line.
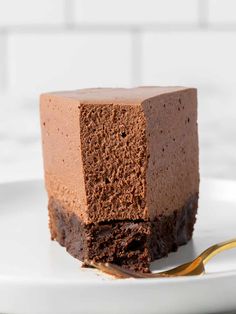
{"points": [[121, 270], [102, 267], [110, 269]]}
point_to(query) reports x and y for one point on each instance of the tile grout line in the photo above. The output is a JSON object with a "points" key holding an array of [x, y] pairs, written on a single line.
{"points": [[4, 56], [136, 58], [203, 13], [69, 13], [118, 28]]}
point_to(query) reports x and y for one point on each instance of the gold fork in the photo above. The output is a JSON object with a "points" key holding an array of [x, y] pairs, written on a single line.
{"points": [[195, 267]]}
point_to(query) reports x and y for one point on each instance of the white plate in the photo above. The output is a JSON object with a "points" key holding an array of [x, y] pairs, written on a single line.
{"points": [[38, 276]]}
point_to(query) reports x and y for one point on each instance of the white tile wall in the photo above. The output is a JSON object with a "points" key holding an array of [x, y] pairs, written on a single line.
{"points": [[68, 61], [31, 12], [2, 61], [136, 11], [20, 147], [66, 44], [206, 59], [222, 11]]}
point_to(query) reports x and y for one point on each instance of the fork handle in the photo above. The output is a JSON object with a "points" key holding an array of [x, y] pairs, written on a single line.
{"points": [[217, 248]]}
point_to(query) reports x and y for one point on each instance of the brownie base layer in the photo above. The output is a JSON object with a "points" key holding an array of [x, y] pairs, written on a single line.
{"points": [[131, 244]]}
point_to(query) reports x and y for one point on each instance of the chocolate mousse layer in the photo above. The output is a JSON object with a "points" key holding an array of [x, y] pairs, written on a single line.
{"points": [[118, 154], [131, 244]]}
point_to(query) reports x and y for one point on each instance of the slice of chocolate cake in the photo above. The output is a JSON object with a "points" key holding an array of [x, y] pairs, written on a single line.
{"points": [[121, 171]]}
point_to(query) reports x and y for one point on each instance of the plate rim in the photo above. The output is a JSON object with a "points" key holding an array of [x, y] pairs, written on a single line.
{"points": [[117, 281]]}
